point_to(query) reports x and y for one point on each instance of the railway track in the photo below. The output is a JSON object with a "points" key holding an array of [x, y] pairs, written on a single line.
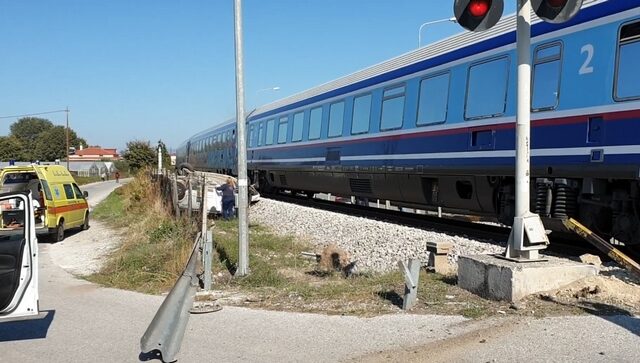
{"points": [[567, 245]]}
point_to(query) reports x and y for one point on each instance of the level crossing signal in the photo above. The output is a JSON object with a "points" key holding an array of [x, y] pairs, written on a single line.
{"points": [[556, 11], [479, 15]]}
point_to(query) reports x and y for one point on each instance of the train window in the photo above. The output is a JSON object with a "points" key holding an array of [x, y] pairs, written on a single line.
{"points": [[433, 99], [487, 89], [251, 134], [270, 129], [392, 108], [361, 114], [336, 119], [282, 130], [546, 77], [260, 133], [627, 86], [315, 123], [298, 119]]}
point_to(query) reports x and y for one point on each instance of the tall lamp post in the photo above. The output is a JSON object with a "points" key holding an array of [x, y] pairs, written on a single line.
{"points": [[67, 135], [276, 88], [243, 186], [452, 20]]}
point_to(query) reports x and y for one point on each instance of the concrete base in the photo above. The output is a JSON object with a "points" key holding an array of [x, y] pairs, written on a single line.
{"points": [[498, 279]]}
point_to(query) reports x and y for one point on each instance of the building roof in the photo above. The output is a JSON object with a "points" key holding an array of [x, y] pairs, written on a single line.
{"points": [[96, 151]]}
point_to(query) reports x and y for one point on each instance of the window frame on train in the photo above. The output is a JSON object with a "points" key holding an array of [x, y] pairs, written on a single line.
{"points": [[250, 134], [282, 136], [315, 136], [361, 114], [620, 43], [270, 131], [261, 132], [340, 103], [389, 95], [491, 83], [538, 61], [297, 126], [426, 105]]}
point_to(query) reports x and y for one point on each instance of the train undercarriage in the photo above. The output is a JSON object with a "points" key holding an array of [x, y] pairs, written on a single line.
{"points": [[609, 207]]}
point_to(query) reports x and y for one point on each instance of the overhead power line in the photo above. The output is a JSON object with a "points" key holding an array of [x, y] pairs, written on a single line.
{"points": [[33, 114]]}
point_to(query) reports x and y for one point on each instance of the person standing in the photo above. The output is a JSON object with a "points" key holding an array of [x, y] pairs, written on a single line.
{"points": [[117, 175], [228, 198]]}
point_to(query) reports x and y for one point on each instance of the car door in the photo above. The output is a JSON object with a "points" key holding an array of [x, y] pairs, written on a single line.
{"points": [[18, 257], [72, 212], [81, 202]]}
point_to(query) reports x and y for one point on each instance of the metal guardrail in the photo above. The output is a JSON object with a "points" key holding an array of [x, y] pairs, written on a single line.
{"points": [[167, 328]]}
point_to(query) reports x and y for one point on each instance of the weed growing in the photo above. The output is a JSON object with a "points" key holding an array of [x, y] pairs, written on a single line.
{"points": [[155, 247]]}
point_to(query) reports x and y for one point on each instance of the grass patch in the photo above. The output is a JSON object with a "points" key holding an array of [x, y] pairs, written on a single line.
{"points": [[82, 180], [280, 279], [111, 209]]}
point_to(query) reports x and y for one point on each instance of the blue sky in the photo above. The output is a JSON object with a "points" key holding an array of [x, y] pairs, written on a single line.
{"points": [[164, 69]]}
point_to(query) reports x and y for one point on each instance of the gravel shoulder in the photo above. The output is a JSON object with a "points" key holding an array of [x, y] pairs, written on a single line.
{"points": [[84, 253]]}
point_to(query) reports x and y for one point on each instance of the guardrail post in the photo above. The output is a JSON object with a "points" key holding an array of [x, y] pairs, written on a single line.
{"points": [[207, 255], [190, 196], [411, 276], [174, 195]]}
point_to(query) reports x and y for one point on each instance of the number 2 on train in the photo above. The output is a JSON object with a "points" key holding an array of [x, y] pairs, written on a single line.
{"points": [[586, 66]]}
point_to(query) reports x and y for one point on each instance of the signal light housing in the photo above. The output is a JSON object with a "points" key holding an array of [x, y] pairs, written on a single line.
{"points": [[556, 11], [478, 15]]}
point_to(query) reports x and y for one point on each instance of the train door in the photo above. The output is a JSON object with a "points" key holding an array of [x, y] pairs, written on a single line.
{"points": [[18, 257]]}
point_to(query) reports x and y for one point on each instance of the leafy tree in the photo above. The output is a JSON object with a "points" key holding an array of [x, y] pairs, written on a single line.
{"points": [[51, 144], [10, 148], [139, 154], [27, 131]]}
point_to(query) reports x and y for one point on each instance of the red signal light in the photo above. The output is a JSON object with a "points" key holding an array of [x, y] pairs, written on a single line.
{"points": [[479, 8], [478, 15], [557, 3]]}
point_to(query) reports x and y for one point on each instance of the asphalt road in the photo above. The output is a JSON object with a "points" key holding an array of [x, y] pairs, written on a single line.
{"points": [[84, 323]]}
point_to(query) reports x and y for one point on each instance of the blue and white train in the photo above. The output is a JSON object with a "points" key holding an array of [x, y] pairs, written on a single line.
{"points": [[436, 127]]}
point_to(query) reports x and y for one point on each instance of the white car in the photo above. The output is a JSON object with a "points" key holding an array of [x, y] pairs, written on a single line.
{"points": [[18, 257]]}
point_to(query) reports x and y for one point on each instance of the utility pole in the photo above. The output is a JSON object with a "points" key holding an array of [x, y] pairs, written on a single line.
{"points": [[528, 235], [67, 135], [243, 187], [159, 158]]}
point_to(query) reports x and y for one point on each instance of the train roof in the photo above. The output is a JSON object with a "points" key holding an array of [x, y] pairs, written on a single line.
{"points": [[448, 45]]}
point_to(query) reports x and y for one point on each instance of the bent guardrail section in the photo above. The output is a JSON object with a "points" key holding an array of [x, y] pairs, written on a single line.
{"points": [[166, 330]]}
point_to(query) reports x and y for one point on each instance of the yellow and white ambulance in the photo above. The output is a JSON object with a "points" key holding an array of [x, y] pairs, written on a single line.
{"points": [[58, 202]]}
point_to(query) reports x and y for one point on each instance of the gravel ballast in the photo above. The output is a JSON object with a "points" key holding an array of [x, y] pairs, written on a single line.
{"points": [[376, 246]]}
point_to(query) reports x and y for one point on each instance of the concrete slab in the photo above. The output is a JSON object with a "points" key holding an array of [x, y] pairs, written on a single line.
{"points": [[498, 279]]}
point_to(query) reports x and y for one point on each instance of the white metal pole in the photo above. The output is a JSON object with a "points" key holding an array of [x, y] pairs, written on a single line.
{"points": [[159, 159], [243, 190], [67, 135], [523, 118], [527, 226]]}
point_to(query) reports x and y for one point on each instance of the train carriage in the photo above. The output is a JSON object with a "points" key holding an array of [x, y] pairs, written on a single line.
{"points": [[436, 127]]}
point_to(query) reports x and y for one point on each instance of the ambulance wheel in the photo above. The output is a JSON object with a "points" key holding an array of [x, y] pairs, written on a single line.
{"points": [[85, 225], [58, 235]]}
